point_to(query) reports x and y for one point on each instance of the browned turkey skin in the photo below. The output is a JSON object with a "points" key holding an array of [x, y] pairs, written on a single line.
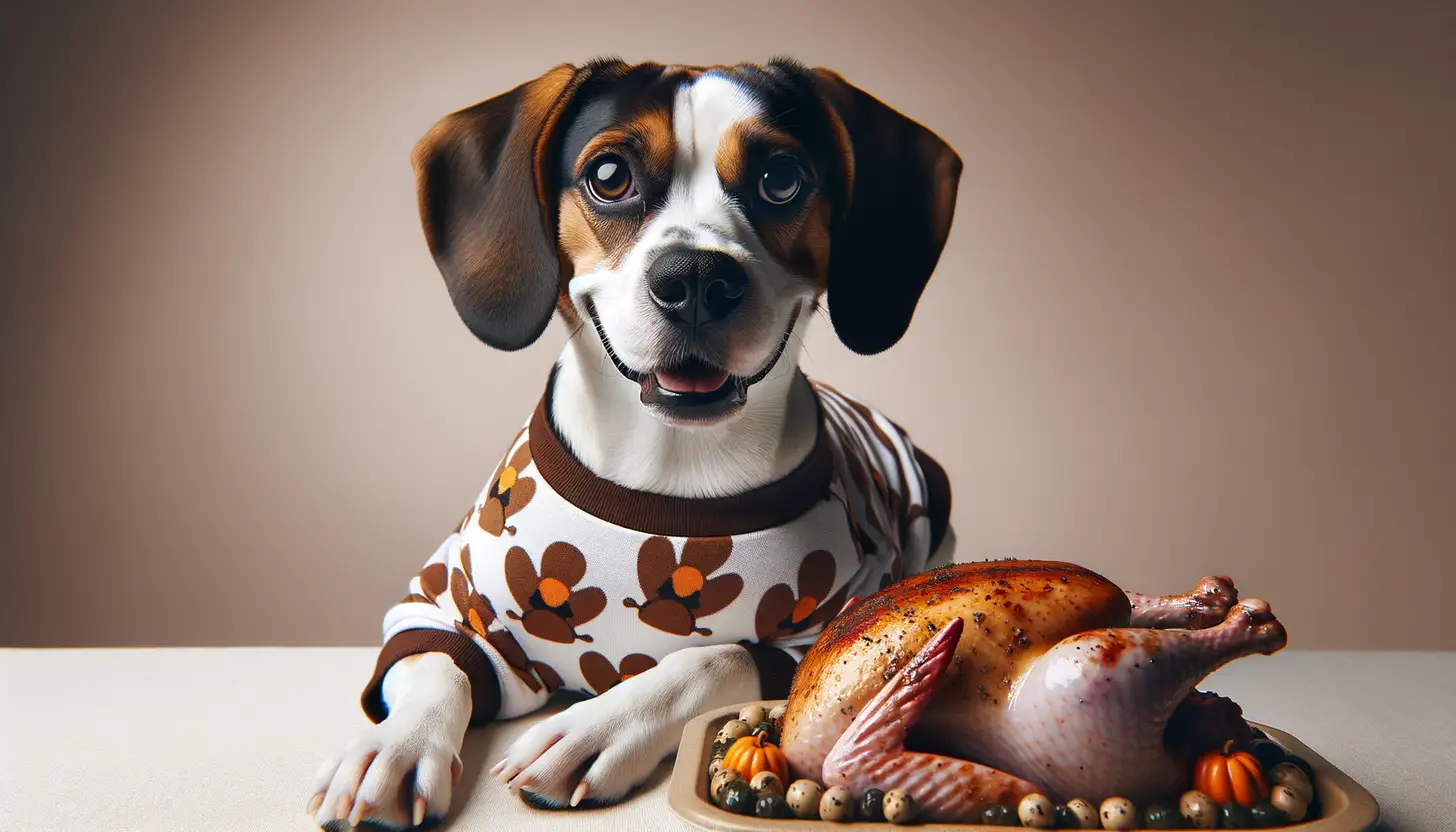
{"points": [[1027, 676]]}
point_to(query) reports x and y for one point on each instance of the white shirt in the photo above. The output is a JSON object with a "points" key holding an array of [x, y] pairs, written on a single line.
{"points": [[558, 578]]}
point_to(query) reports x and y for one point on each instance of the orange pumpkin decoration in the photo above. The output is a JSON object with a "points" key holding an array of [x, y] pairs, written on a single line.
{"points": [[1230, 776], [750, 755]]}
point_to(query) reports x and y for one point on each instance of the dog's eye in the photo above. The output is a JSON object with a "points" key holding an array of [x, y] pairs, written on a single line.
{"points": [[781, 181], [609, 179]]}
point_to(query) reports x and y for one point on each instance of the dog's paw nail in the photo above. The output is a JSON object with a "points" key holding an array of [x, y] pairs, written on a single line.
{"points": [[419, 816], [346, 803], [509, 773], [496, 769], [362, 809], [457, 770], [580, 794], [315, 802]]}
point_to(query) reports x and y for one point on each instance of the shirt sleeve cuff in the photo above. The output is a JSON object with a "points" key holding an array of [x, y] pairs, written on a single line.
{"points": [[485, 692]]}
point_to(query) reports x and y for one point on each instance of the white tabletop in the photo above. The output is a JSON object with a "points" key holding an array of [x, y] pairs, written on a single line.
{"points": [[227, 739]]}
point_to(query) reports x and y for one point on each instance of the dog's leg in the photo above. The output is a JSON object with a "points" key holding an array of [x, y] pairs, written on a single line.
{"points": [[596, 751], [399, 773]]}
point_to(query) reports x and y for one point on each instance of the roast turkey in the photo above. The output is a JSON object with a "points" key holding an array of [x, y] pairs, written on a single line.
{"points": [[978, 684]]}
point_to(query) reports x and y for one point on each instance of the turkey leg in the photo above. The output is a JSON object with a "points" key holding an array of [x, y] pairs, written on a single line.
{"points": [[1107, 696], [871, 752], [1203, 606]]}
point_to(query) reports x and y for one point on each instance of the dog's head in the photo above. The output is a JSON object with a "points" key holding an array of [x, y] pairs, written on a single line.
{"points": [[692, 217]]}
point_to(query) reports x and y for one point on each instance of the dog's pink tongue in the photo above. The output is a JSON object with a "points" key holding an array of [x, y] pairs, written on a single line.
{"points": [[698, 383]]}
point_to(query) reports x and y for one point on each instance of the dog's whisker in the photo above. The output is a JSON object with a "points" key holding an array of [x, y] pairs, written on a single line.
{"points": [[798, 339]]}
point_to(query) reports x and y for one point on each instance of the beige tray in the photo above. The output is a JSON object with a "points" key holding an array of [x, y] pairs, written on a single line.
{"points": [[1346, 805]]}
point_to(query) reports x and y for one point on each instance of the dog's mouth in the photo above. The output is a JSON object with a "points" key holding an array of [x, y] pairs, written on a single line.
{"points": [[693, 391]]}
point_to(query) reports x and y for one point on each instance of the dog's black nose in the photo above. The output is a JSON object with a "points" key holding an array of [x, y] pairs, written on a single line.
{"points": [[697, 287]]}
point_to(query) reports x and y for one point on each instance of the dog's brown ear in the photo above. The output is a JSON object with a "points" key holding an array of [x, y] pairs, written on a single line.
{"points": [[899, 181], [487, 192]]}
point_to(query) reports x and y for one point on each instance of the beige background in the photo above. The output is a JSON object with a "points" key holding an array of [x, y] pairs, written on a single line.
{"points": [[1195, 314]]}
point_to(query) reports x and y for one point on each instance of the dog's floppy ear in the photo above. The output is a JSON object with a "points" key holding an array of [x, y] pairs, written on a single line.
{"points": [[899, 181], [487, 193]]}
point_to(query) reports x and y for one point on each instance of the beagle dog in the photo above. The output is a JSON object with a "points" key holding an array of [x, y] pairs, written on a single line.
{"points": [[684, 509]]}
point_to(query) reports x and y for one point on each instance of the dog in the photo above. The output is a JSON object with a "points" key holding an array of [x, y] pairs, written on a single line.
{"points": [[684, 509]]}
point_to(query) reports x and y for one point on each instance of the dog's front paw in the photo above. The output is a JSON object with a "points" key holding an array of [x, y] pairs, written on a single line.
{"points": [[395, 775], [595, 752], [592, 754]]}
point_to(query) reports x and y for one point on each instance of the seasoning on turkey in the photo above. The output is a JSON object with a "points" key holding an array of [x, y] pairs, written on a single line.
{"points": [[1016, 671]]}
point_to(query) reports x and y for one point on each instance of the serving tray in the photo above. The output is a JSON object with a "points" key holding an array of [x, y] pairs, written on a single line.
{"points": [[1347, 806]]}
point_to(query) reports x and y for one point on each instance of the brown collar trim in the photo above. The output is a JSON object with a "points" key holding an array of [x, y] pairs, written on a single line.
{"points": [[761, 508]]}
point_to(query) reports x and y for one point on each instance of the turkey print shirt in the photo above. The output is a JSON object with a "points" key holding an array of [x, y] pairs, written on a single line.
{"points": [[559, 579]]}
